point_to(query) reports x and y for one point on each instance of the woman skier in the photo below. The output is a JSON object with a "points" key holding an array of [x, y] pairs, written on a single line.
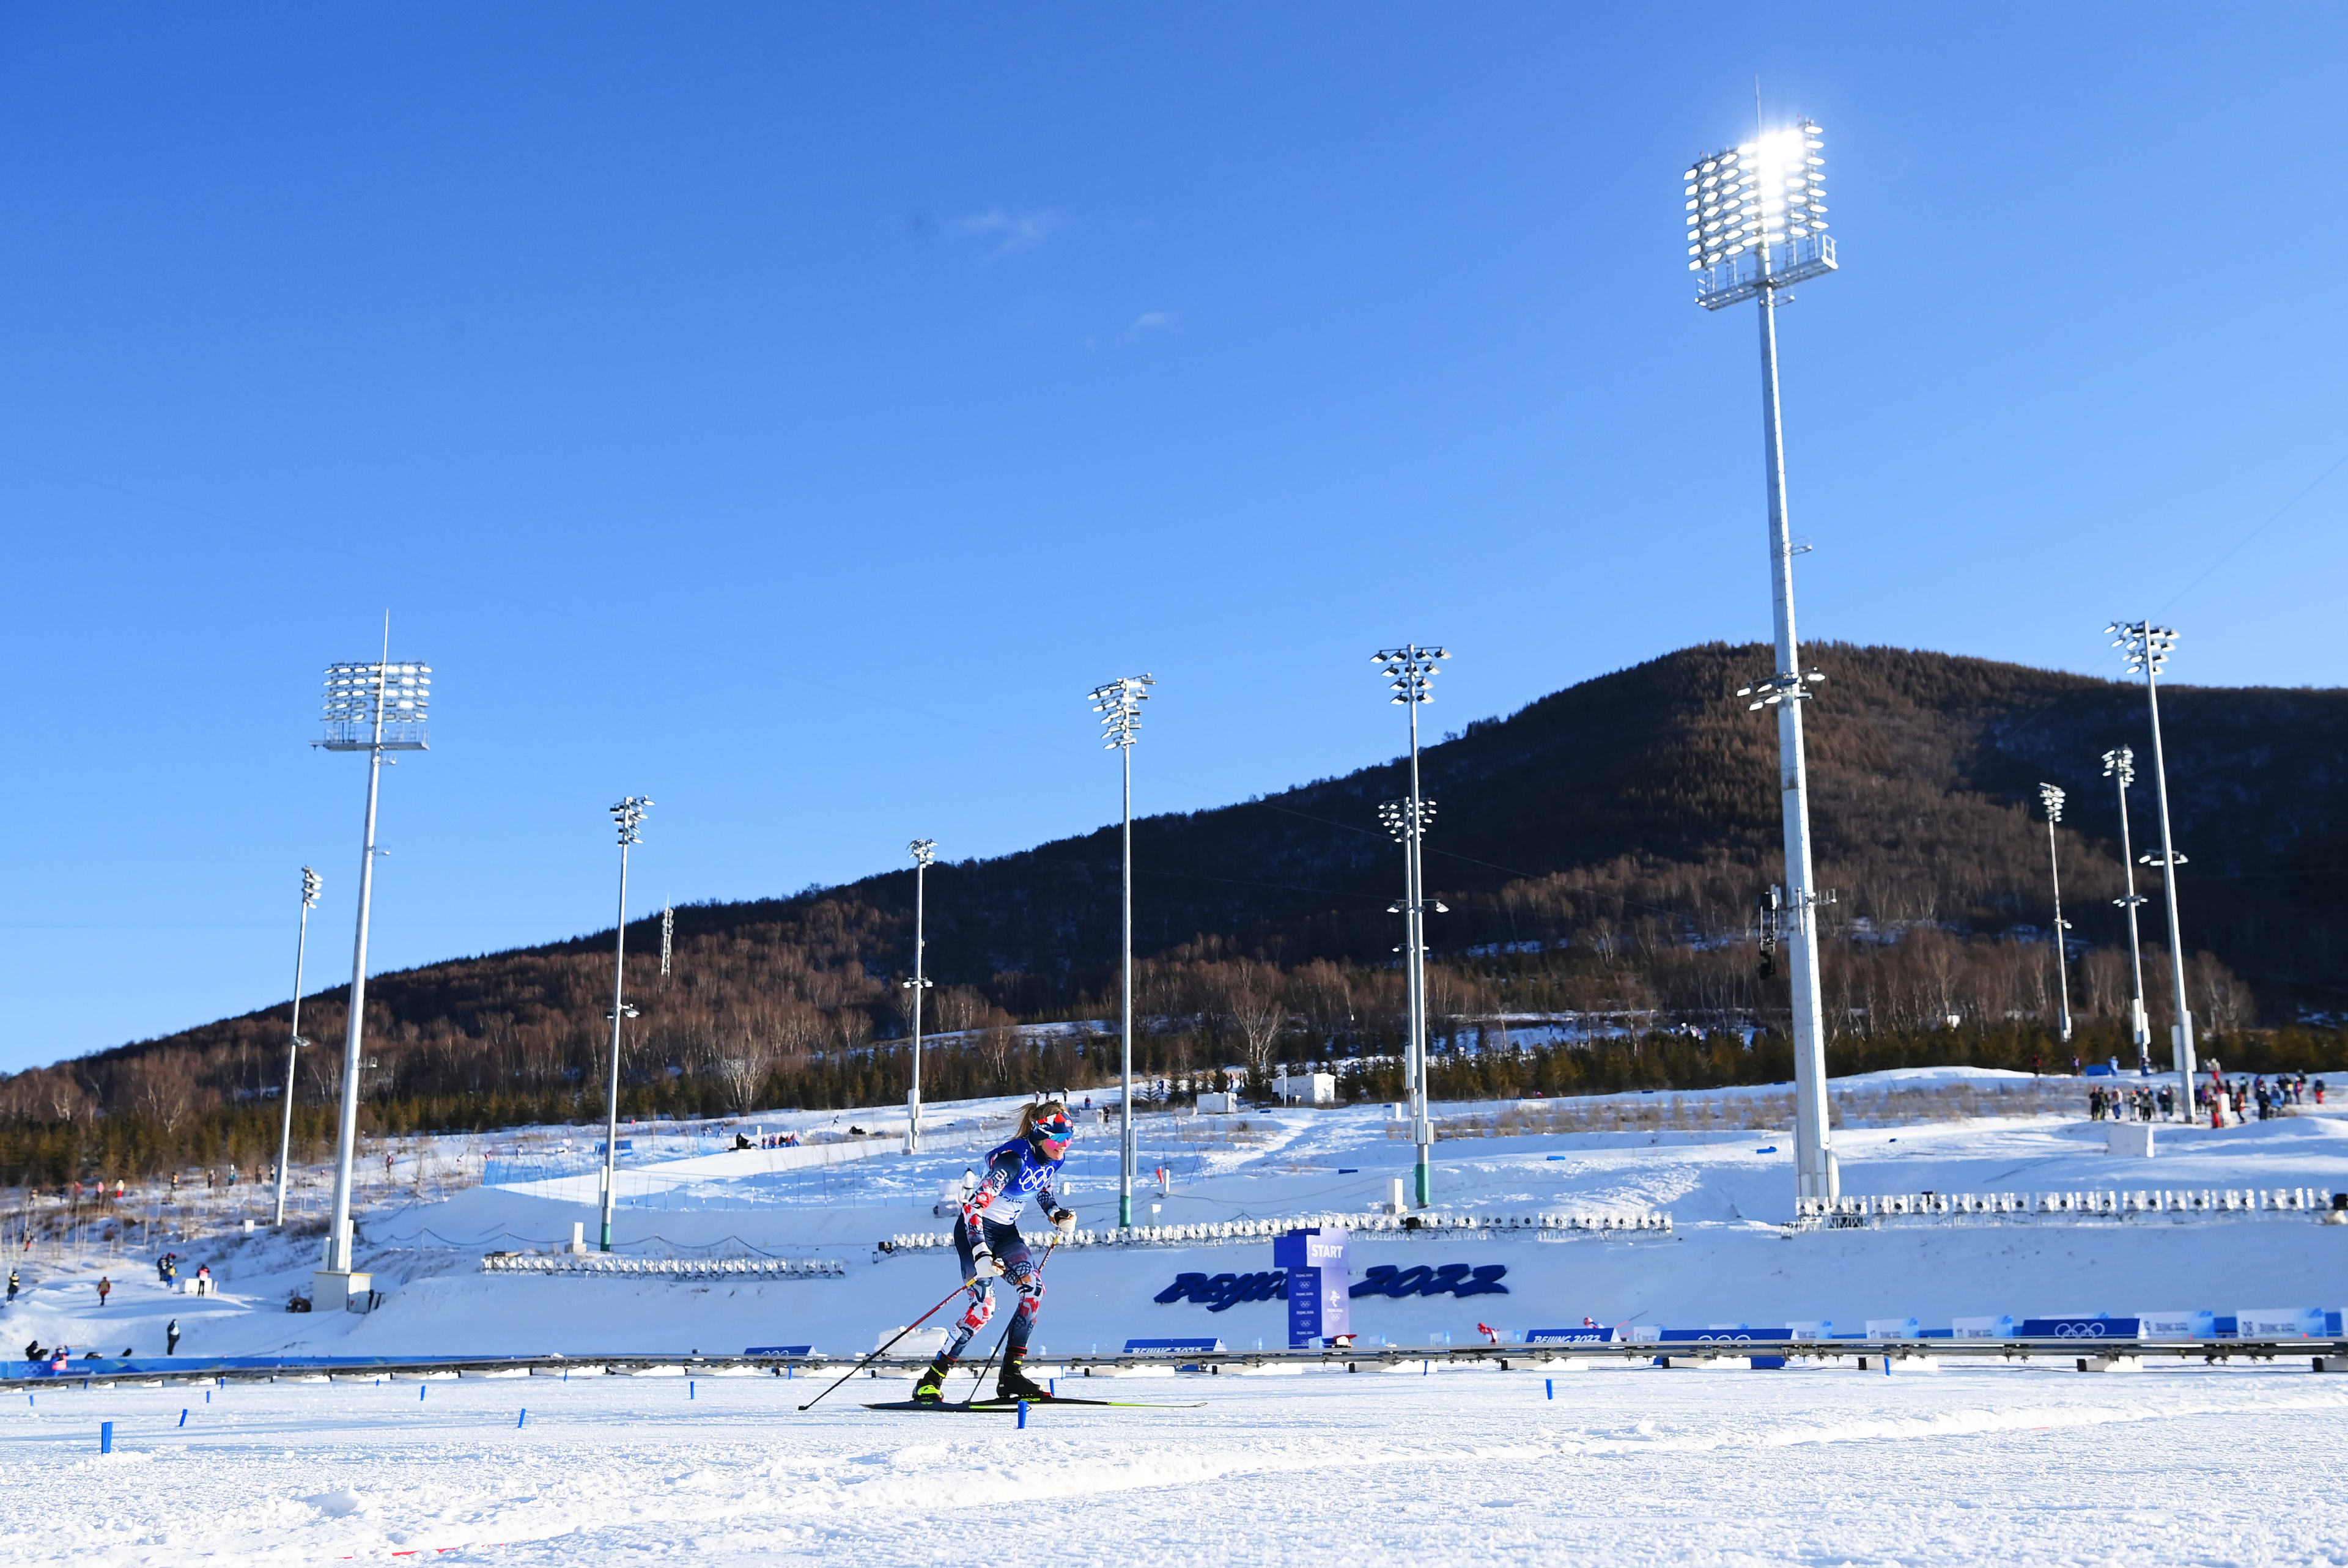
{"points": [[987, 1242]]}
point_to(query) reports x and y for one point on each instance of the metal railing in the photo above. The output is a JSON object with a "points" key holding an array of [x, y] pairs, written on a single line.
{"points": [[663, 1267], [1362, 1227], [2173, 1204]]}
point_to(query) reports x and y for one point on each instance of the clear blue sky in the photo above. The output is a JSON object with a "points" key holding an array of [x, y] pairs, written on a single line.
{"points": [[790, 412]]}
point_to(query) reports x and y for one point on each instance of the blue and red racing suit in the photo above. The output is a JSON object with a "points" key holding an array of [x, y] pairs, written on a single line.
{"points": [[1015, 1172]]}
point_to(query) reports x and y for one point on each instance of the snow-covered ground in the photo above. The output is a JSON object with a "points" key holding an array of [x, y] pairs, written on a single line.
{"points": [[1623, 1465], [1644, 1466]]}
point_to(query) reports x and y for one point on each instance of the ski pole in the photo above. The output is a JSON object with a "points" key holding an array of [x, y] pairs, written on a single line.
{"points": [[1005, 1336], [900, 1333]]}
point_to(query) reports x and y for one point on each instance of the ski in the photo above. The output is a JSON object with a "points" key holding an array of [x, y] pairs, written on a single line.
{"points": [[1005, 1407]]}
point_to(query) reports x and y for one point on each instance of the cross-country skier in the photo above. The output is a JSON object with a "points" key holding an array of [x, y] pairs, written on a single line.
{"points": [[987, 1242]]}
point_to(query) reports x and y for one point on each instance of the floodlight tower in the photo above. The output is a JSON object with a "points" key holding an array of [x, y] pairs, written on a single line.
{"points": [[2120, 766], [628, 816], [924, 851], [1756, 227], [1410, 670], [2052, 798], [373, 708], [1119, 703], [294, 1041], [2146, 648]]}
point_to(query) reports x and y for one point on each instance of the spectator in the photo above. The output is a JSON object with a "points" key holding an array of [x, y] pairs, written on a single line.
{"points": [[105, 1288], [172, 1338], [12, 1285]]}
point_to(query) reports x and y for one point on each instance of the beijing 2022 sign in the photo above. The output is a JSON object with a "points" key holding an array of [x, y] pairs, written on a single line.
{"points": [[1221, 1292]]}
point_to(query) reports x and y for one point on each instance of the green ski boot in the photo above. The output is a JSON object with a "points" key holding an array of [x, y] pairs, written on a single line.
{"points": [[930, 1389]]}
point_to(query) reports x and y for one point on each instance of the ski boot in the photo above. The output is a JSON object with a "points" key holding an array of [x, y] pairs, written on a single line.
{"points": [[1014, 1383], [930, 1389]]}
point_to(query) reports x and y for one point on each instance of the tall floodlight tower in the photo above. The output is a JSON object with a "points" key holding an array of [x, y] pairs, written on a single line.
{"points": [[1119, 703], [2052, 798], [2145, 648], [2120, 766], [628, 816], [1410, 673], [310, 883], [1756, 226], [373, 708], [924, 851]]}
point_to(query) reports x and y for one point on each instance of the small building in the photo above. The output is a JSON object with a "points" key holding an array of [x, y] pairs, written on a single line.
{"points": [[1306, 1089]]}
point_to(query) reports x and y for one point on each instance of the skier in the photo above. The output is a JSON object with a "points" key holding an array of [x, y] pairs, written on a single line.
{"points": [[172, 1338], [987, 1242], [12, 1285]]}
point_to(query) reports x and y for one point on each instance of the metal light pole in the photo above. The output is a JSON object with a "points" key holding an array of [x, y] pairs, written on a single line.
{"points": [[1756, 227], [1411, 671], [372, 708], [294, 1043], [1119, 705], [2052, 799], [2119, 764], [629, 817], [2145, 648], [924, 851]]}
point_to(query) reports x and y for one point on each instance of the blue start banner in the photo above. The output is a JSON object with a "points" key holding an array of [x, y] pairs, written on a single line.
{"points": [[1319, 1304]]}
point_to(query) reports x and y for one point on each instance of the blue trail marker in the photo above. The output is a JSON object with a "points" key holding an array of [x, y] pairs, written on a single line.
{"points": [[689, 1390], [1023, 1421], [523, 1420], [183, 1418], [1549, 1384], [105, 1437], [421, 1387]]}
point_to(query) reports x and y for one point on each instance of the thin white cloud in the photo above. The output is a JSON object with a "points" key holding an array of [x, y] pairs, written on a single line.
{"points": [[1147, 323], [1007, 232]]}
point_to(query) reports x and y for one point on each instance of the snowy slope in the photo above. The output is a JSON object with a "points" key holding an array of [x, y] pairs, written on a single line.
{"points": [[1728, 1260]]}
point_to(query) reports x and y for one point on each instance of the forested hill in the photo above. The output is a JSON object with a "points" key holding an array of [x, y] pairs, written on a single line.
{"points": [[1604, 846]]}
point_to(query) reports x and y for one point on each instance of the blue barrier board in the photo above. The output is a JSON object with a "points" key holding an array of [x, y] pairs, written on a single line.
{"points": [[1194, 1347]]}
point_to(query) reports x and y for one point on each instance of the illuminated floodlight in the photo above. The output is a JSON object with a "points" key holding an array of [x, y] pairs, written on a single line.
{"points": [[358, 694], [1119, 703], [1756, 216]]}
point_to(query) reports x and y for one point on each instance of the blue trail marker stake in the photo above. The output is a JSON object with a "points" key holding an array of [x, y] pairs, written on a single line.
{"points": [[420, 1386], [688, 1390], [183, 1418], [1887, 1366], [523, 1420], [105, 1437], [1549, 1384], [208, 1395], [1023, 1421]]}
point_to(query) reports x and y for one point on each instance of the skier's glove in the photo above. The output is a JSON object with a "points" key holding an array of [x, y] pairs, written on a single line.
{"points": [[985, 1265], [1064, 1221]]}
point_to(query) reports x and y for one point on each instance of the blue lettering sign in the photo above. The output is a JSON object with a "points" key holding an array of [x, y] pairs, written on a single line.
{"points": [[1221, 1292]]}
